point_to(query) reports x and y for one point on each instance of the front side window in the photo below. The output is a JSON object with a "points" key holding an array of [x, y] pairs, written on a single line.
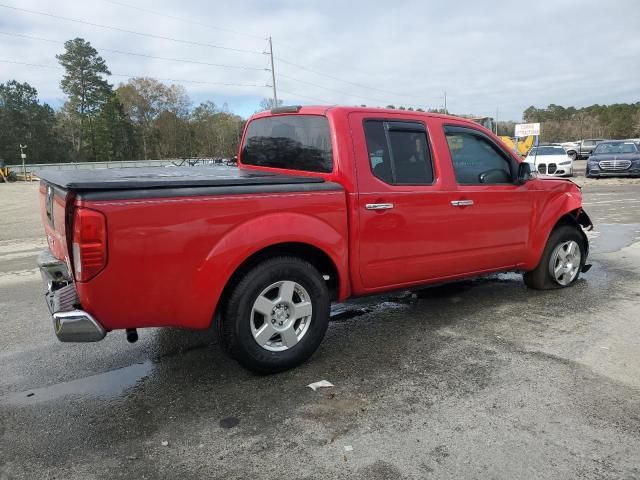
{"points": [[476, 160], [295, 142], [399, 152]]}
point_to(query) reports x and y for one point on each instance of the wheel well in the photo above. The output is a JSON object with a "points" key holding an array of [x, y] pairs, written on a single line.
{"points": [[313, 255], [576, 218]]}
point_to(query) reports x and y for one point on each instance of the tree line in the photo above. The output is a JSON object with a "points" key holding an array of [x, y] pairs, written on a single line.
{"points": [[140, 119], [559, 124]]}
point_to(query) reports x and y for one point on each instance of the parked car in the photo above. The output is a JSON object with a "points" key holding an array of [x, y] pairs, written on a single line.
{"points": [[619, 158], [328, 203], [550, 160], [582, 148]]}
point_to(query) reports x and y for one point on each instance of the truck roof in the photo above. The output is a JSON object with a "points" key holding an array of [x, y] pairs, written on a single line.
{"points": [[325, 109]]}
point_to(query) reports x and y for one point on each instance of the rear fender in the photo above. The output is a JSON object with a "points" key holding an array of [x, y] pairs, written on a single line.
{"points": [[257, 234]]}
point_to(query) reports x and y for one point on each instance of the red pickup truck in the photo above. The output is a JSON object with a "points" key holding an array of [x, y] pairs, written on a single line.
{"points": [[327, 203]]}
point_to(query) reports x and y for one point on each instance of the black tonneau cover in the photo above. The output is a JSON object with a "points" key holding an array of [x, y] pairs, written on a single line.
{"points": [[158, 182], [170, 177]]}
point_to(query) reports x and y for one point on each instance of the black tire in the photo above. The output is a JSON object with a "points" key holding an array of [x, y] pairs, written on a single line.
{"points": [[541, 277], [235, 327], [572, 155], [12, 177]]}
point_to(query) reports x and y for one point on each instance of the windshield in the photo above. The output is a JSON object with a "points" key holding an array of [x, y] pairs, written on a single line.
{"points": [[547, 151], [611, 148], [295, 142]]}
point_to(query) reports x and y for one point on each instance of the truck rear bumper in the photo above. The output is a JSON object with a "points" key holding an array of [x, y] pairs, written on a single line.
{"points": [[70, 322]]}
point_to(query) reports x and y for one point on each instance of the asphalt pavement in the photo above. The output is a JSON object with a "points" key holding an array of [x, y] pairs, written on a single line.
{"points": [[475, 379]]}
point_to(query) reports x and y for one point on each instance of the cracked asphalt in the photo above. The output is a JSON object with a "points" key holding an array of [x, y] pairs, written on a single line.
{"points": [[475, 379]]}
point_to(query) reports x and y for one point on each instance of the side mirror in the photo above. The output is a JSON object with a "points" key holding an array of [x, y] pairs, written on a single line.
{"points": [[525, 173]]}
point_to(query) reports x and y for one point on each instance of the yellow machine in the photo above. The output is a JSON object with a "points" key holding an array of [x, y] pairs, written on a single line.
{"points": [[6, 175], [524, 144]]}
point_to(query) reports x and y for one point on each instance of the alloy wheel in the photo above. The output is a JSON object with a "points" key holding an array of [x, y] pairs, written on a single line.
{"points": [[281, 316], [565, 262]]}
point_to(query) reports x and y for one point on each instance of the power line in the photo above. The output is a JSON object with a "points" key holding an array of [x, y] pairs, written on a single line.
{"points": [[282, 60], [135, 54], [189, 42], [184, 20], [331, 62], [181, 19], [378, 100], [29, 64], [297, 95], [132, 32], [126, 75]]}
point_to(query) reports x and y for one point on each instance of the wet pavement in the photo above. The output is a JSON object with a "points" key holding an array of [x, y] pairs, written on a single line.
{"points": [[482, 379]]}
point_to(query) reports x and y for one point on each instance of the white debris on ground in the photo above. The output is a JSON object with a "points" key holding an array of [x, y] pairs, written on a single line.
{"points": [[321, 384]]}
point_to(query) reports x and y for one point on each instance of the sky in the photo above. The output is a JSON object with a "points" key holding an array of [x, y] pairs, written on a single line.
{"points": [[492, 58]]}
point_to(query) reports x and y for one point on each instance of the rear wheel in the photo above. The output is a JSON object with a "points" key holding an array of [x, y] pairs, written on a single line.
{"points": [[561, 262], [276, 316], [572, 155]]}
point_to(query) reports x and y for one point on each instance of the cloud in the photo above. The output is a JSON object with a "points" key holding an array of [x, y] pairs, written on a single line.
{"points": [[486, 55]]}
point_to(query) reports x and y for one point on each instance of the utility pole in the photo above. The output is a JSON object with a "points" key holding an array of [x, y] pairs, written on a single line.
{"points": [[497, 112], [23, 156], [273, 75], [445, 102]]}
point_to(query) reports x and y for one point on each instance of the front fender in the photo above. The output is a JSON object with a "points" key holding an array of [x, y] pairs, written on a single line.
{"points": [[566, 204], [261, 232]]}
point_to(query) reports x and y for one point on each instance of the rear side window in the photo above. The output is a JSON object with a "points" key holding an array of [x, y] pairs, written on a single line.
{"points": [[295, 142], [399, 152], [476, 160]]}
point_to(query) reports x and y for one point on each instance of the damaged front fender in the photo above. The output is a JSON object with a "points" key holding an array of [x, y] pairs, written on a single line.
{"points": [[585, 222]]}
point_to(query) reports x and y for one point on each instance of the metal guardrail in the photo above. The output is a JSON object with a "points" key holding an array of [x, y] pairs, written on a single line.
{"points": [[33, 167]]}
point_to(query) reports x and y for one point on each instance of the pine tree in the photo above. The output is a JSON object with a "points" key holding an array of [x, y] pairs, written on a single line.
{"points": [[87, 90]]}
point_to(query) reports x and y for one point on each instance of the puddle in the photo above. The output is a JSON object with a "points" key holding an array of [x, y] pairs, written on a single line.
{"points": [[109, 384], [613, 237]]}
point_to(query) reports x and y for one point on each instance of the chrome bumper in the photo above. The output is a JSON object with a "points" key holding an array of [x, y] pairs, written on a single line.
{"points": [[70, 324]]}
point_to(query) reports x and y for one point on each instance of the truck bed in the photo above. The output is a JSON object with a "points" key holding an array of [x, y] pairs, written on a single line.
{"points": [[180, 233], [111, 184]]}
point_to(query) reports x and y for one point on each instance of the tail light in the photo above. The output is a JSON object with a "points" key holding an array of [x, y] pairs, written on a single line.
{"points": [[89, 246]]}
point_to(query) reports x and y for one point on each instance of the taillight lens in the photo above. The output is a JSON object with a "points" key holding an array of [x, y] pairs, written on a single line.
{"points": [[89, 244]]}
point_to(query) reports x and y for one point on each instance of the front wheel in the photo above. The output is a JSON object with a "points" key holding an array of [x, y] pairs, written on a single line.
{"points": [[561, 262], [276, 316]]}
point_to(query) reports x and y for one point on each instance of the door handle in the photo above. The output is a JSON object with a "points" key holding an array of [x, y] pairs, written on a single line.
{"points": [[461, 203], [379, 206]]}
